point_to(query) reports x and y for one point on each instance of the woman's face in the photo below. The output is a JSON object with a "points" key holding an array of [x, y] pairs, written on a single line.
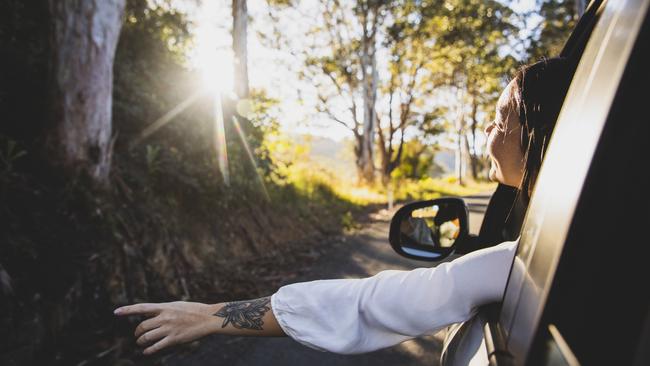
{"points": [[503, 146]]}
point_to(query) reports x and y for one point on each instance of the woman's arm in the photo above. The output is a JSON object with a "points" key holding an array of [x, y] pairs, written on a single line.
{"points": [[178, 322], [342, 316], [350, 316]]}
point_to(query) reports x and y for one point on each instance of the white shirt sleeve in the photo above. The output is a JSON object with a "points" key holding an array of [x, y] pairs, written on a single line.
{"points": [[361, 315]]}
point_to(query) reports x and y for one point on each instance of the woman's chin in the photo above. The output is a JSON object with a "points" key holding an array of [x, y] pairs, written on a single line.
{"points": [[492, 175]]}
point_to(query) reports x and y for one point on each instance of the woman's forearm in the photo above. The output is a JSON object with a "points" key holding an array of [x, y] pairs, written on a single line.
{"points": [[248, 317], [178, 322]]}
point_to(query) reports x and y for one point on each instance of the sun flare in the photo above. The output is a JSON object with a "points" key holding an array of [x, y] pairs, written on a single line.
{"points": [[213, 56]]}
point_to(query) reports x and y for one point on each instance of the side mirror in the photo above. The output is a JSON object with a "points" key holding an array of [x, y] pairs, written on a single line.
{"points": [[429, 230]]}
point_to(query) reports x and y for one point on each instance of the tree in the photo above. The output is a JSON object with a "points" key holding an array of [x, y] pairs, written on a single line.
{"points": [[444, 52], [418, 161], [368, 12], [345, 67], [428, 52], [408, 90], [239, 45], [84, 35], [473, 38], [559, 18]]}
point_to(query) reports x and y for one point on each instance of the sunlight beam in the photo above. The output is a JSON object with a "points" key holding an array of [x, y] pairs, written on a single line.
{"points": [[166, 118], [220, 140], [240, 132]]}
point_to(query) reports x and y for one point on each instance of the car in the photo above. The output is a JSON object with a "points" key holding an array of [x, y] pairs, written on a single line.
{"points": [[579, 288]]}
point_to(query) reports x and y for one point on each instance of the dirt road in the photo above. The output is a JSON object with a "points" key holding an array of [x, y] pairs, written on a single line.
{"points": [[361, 254]]}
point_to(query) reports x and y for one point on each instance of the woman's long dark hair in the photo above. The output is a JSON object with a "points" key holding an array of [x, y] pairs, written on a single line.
{"points": [[539, 94]]}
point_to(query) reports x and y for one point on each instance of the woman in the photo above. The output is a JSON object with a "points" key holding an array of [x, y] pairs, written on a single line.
{"points": [[361, 315]]}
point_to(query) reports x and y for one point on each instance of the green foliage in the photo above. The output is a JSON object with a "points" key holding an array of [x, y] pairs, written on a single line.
{"points": [[149, 77], [559, 17], [431, 188], [348, 222], [153, 159], [444, 60], [10, 152], [417, 162]]}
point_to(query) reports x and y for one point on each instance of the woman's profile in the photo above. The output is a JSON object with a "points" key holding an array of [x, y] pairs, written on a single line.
{"points": [[361, 315]]}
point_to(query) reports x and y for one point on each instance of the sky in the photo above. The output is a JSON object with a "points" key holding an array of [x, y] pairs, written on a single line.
{"points": [[271, 66]]}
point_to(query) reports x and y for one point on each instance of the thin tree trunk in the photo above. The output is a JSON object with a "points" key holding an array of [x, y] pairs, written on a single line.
{"points": [[384, 155], [472, 153], [459, 160], [84, 35], [369, 72], [240, 22], [460, 150], [471, 159]]}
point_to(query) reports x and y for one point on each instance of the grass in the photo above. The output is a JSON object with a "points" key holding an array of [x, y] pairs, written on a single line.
{"points": [[313, 180], [431, 188]]}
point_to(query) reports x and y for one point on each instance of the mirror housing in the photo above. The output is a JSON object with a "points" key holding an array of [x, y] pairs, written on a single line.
{"points": [[429, 230]]}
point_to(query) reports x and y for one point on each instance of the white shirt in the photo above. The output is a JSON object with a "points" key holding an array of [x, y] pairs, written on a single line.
{"points": [[361, 315]]}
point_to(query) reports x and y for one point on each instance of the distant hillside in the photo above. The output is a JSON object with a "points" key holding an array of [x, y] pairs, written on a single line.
{"points": [[447, 160], [337, 156]]}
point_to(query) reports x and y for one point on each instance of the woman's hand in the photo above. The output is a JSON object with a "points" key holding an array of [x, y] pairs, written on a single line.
{"points": [[171, 323]]}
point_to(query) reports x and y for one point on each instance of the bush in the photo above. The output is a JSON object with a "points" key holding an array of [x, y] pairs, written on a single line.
{"points": [[431, 188]]}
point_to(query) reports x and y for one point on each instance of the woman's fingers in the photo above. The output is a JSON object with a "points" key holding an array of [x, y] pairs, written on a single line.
{"points": [[165, 342], [148, 325], [151, 336], [138, 309]]}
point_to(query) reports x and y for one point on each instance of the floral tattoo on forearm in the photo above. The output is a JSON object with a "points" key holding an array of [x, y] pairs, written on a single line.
{"points": [[245, 314]]}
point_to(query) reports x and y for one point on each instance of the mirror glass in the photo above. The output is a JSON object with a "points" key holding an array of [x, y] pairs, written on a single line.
{"points": [[432, 230]]}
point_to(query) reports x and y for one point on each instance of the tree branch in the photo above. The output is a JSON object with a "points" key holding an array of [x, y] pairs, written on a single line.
{"points": [[331, 114]]}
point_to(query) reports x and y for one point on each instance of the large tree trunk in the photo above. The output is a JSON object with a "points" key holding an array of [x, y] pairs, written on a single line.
{"points": [[240, 20], [84, 35]]}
